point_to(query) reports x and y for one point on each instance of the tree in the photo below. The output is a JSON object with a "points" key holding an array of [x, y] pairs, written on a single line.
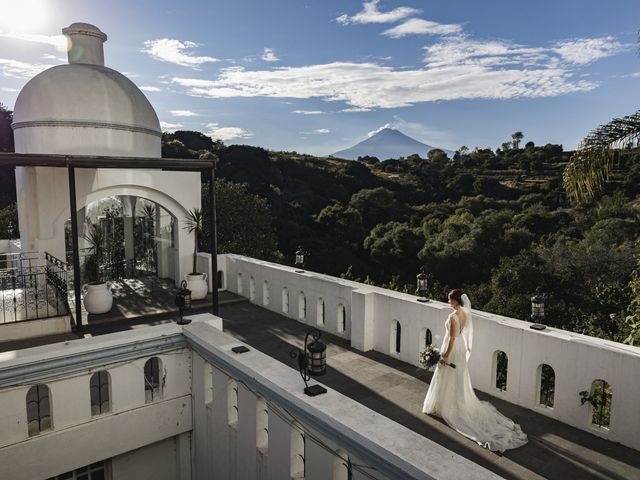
{"points": [[517, 138], [588, 169]]}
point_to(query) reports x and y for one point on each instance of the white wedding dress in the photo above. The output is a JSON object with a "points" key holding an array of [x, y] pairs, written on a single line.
{"points": [[451, 396]]}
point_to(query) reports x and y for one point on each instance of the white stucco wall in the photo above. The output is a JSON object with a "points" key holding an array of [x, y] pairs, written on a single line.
{"points": [[577, 359]]}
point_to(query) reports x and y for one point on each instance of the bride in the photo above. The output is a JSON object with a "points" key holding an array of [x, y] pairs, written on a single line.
{"points": [[451, 395]]}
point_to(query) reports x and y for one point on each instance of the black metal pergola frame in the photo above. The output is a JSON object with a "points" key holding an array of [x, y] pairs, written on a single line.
{"points": [[71, 162]]}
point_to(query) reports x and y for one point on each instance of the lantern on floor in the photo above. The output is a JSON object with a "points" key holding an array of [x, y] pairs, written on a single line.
{"points": [[312, 361], [183, 302], [422, 285]]}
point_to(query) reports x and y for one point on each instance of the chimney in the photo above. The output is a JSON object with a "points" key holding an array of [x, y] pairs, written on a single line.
{"points": [[84, 43]]}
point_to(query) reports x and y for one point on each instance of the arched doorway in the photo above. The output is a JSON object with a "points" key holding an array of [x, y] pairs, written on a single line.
{"points": [[139, 238]]}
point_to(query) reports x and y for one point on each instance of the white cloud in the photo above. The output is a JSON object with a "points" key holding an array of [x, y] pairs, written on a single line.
{"points": [[215, 131], [269, 56], [150, 88], [309, 112], [57, 41], [583, 51], [317, 131], [183, 113], [373, 132], [632, 75], [371, 14], [170, 127], [174, 51], [356, 109], [48, 56], [11, 90], [418, 26], [17, 69]]}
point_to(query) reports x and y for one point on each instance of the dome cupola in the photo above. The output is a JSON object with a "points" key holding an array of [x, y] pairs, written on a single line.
{"points": [[85, 108]]}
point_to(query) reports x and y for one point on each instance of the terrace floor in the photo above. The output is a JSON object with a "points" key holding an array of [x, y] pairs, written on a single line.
{"points": [[396, 390]]}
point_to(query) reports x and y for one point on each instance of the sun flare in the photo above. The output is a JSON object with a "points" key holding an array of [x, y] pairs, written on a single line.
{"points": [[23, 16]]}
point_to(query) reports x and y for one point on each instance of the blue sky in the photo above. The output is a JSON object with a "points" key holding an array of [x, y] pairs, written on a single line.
{"points": [[317, 76]]}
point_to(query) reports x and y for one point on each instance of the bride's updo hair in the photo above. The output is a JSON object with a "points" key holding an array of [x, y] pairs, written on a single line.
{"points": [[456, 294]]}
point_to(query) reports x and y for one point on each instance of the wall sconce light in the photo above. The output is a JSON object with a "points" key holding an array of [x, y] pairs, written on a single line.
{"points": [[299, 263], [537, 310], [422, 285], [312, 361], [183, 302]]}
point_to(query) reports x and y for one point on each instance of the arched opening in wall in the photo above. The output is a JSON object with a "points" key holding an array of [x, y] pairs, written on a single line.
{"points": [[546, 385], [38, 404], [302, 306], [601, 396], [262, 424], [125, 237], [298, 451], [285, 300], [320, 312], [252, 289], [500, 369], [232, 402], [221, 285], [342, 319], [239, 286], [396, 337], [342, 469], [153, 382], [265, 293], [426, 339], [99, 391]]}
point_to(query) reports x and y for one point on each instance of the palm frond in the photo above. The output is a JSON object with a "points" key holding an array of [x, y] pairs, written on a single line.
{"points": [[588, 169], [193, 221]]}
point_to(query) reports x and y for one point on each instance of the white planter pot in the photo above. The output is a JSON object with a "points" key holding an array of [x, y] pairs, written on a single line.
{"points": [[197, 283], [97, 297]]}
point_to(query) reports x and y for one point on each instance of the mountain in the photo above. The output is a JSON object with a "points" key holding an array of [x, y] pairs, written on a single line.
{"points": [[387, 143]]}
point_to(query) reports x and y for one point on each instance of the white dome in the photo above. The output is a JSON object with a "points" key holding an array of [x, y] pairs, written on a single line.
{"points": [[85, 108]]}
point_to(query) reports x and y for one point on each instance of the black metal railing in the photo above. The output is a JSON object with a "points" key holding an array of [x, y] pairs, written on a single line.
{"points": [[30, 290], [112, 268]]}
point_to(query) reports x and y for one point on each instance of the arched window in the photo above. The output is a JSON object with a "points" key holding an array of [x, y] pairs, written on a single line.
{"points": [[239, 284], [320, 312], [220, 280], [265, 293], [426, 338], [38, 409], [285, 300], [547, 383], [232, 402], [302, 306], [342, 318], [298, 452], [396, 337], [601, 395], [252, 289], [262, 424], [152, 380], [501, 366], [99, 393]]}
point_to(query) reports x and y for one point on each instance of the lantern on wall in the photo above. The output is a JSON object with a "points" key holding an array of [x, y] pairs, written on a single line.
{"points": [[537, 310], [312, 361], [299, 263], [422, 285]]}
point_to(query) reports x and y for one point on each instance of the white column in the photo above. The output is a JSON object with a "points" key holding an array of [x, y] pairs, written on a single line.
{"points": [[318, 461], [128, 214], [246, 446], [201, 458], [279, 464], [219, 441], [362, 320], [183, 456]]}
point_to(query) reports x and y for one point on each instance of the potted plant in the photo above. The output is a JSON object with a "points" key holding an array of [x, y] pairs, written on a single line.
{"points": [[196, 281], [97, 293]]}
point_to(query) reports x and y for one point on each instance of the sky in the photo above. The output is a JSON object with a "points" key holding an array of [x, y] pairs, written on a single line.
{"points": [[318, 76]]}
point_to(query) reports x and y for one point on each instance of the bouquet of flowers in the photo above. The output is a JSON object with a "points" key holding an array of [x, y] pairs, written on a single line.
{"points": [[430, 357]]}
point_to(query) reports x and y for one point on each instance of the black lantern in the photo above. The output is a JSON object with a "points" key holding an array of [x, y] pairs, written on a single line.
{"points": [[300, 259], [422, 285], [183, 302], [312, 361], [537, 310]]}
